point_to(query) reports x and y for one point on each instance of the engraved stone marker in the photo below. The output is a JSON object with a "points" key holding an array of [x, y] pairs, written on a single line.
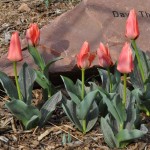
{"points": [[93, 21]]}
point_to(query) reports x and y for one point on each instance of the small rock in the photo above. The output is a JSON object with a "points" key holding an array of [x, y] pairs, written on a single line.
{"points": [[24, 8]]}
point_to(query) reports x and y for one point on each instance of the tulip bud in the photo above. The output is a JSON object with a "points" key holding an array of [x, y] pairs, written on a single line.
{"points": [[125, 62], [105, 60], [85, 58], [33, 34], [15, 52], [132, 30]]}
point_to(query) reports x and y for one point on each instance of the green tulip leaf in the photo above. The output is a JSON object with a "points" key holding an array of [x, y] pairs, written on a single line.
{"points": [[135, 75], [69, 108], [115, 79], [103, 75], [121, 92], [27, 77], [8, 86], [74, 98], [92, 117], [69, 85], [115, 107], [44, 83], [28, 114], [109, 136], [131, 114], [39, 61], [125, 136], [46, 68], [42, 80], [48, 108], [117, 102], [86, 104]]}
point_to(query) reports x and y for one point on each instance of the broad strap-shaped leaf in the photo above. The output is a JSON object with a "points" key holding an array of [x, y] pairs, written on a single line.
{"points": [[69, 108], [42, 80], [131, 114], [128, 135], [142, 103], [8, 86], [145, 62], [109, 136], [69, 85], [137, 93], [103, 75], [128, 93], [44, 83], [46, 68], [48, 108], [113, 109], [78, 87], [117, 102], [86, 104], [37, 57], [93, 86], [92, 117], [117, 74], [115, 79], [135, 76], [28, 114], [27, 77], [74, 98]]}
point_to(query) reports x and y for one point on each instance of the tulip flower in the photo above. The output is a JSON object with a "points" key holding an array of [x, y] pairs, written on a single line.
{"points": [[132, 30], [33, 34], [105, 60], [85, 58], [125, 62], [15, 52], [15, 55], [125, 65], [84, 61]]}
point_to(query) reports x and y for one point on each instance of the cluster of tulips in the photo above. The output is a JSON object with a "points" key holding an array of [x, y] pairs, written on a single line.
{"points": [[116, 105]]}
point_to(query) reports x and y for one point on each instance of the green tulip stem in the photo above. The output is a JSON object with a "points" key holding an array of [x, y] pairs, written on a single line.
{"points": [[83, 82], [84, 126], [124, 91], [82, 96], [39, 58], [139, 60], [16, 79], [110, 81], [148, 113]]}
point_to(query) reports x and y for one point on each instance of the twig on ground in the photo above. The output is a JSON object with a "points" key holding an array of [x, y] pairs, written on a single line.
{"points": [[66, 131]]}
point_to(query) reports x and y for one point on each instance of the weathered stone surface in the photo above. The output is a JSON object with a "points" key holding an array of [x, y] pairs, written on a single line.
{"points": [[91, 20]]}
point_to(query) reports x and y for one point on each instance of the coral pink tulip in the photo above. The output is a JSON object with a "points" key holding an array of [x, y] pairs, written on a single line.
{"points": [[33, 34], [132, 30], [105, 60], [125, 62], [15, 52], [85, 58]]}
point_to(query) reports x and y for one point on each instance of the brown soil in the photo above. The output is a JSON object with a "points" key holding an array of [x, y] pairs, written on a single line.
{"points": [[12, 135]]}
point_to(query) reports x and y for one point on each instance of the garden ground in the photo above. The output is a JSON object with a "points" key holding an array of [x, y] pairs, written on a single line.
{"points": [[17, 15]]}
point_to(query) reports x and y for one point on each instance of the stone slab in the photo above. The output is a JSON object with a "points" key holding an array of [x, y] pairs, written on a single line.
{"points": [[93, 21]]}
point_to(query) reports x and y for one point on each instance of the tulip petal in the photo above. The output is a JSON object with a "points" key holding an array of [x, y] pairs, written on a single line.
{"points": [[104, 56], [33, 34], [125, 62], [15, 52], [85, 58], [132, 30]]}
